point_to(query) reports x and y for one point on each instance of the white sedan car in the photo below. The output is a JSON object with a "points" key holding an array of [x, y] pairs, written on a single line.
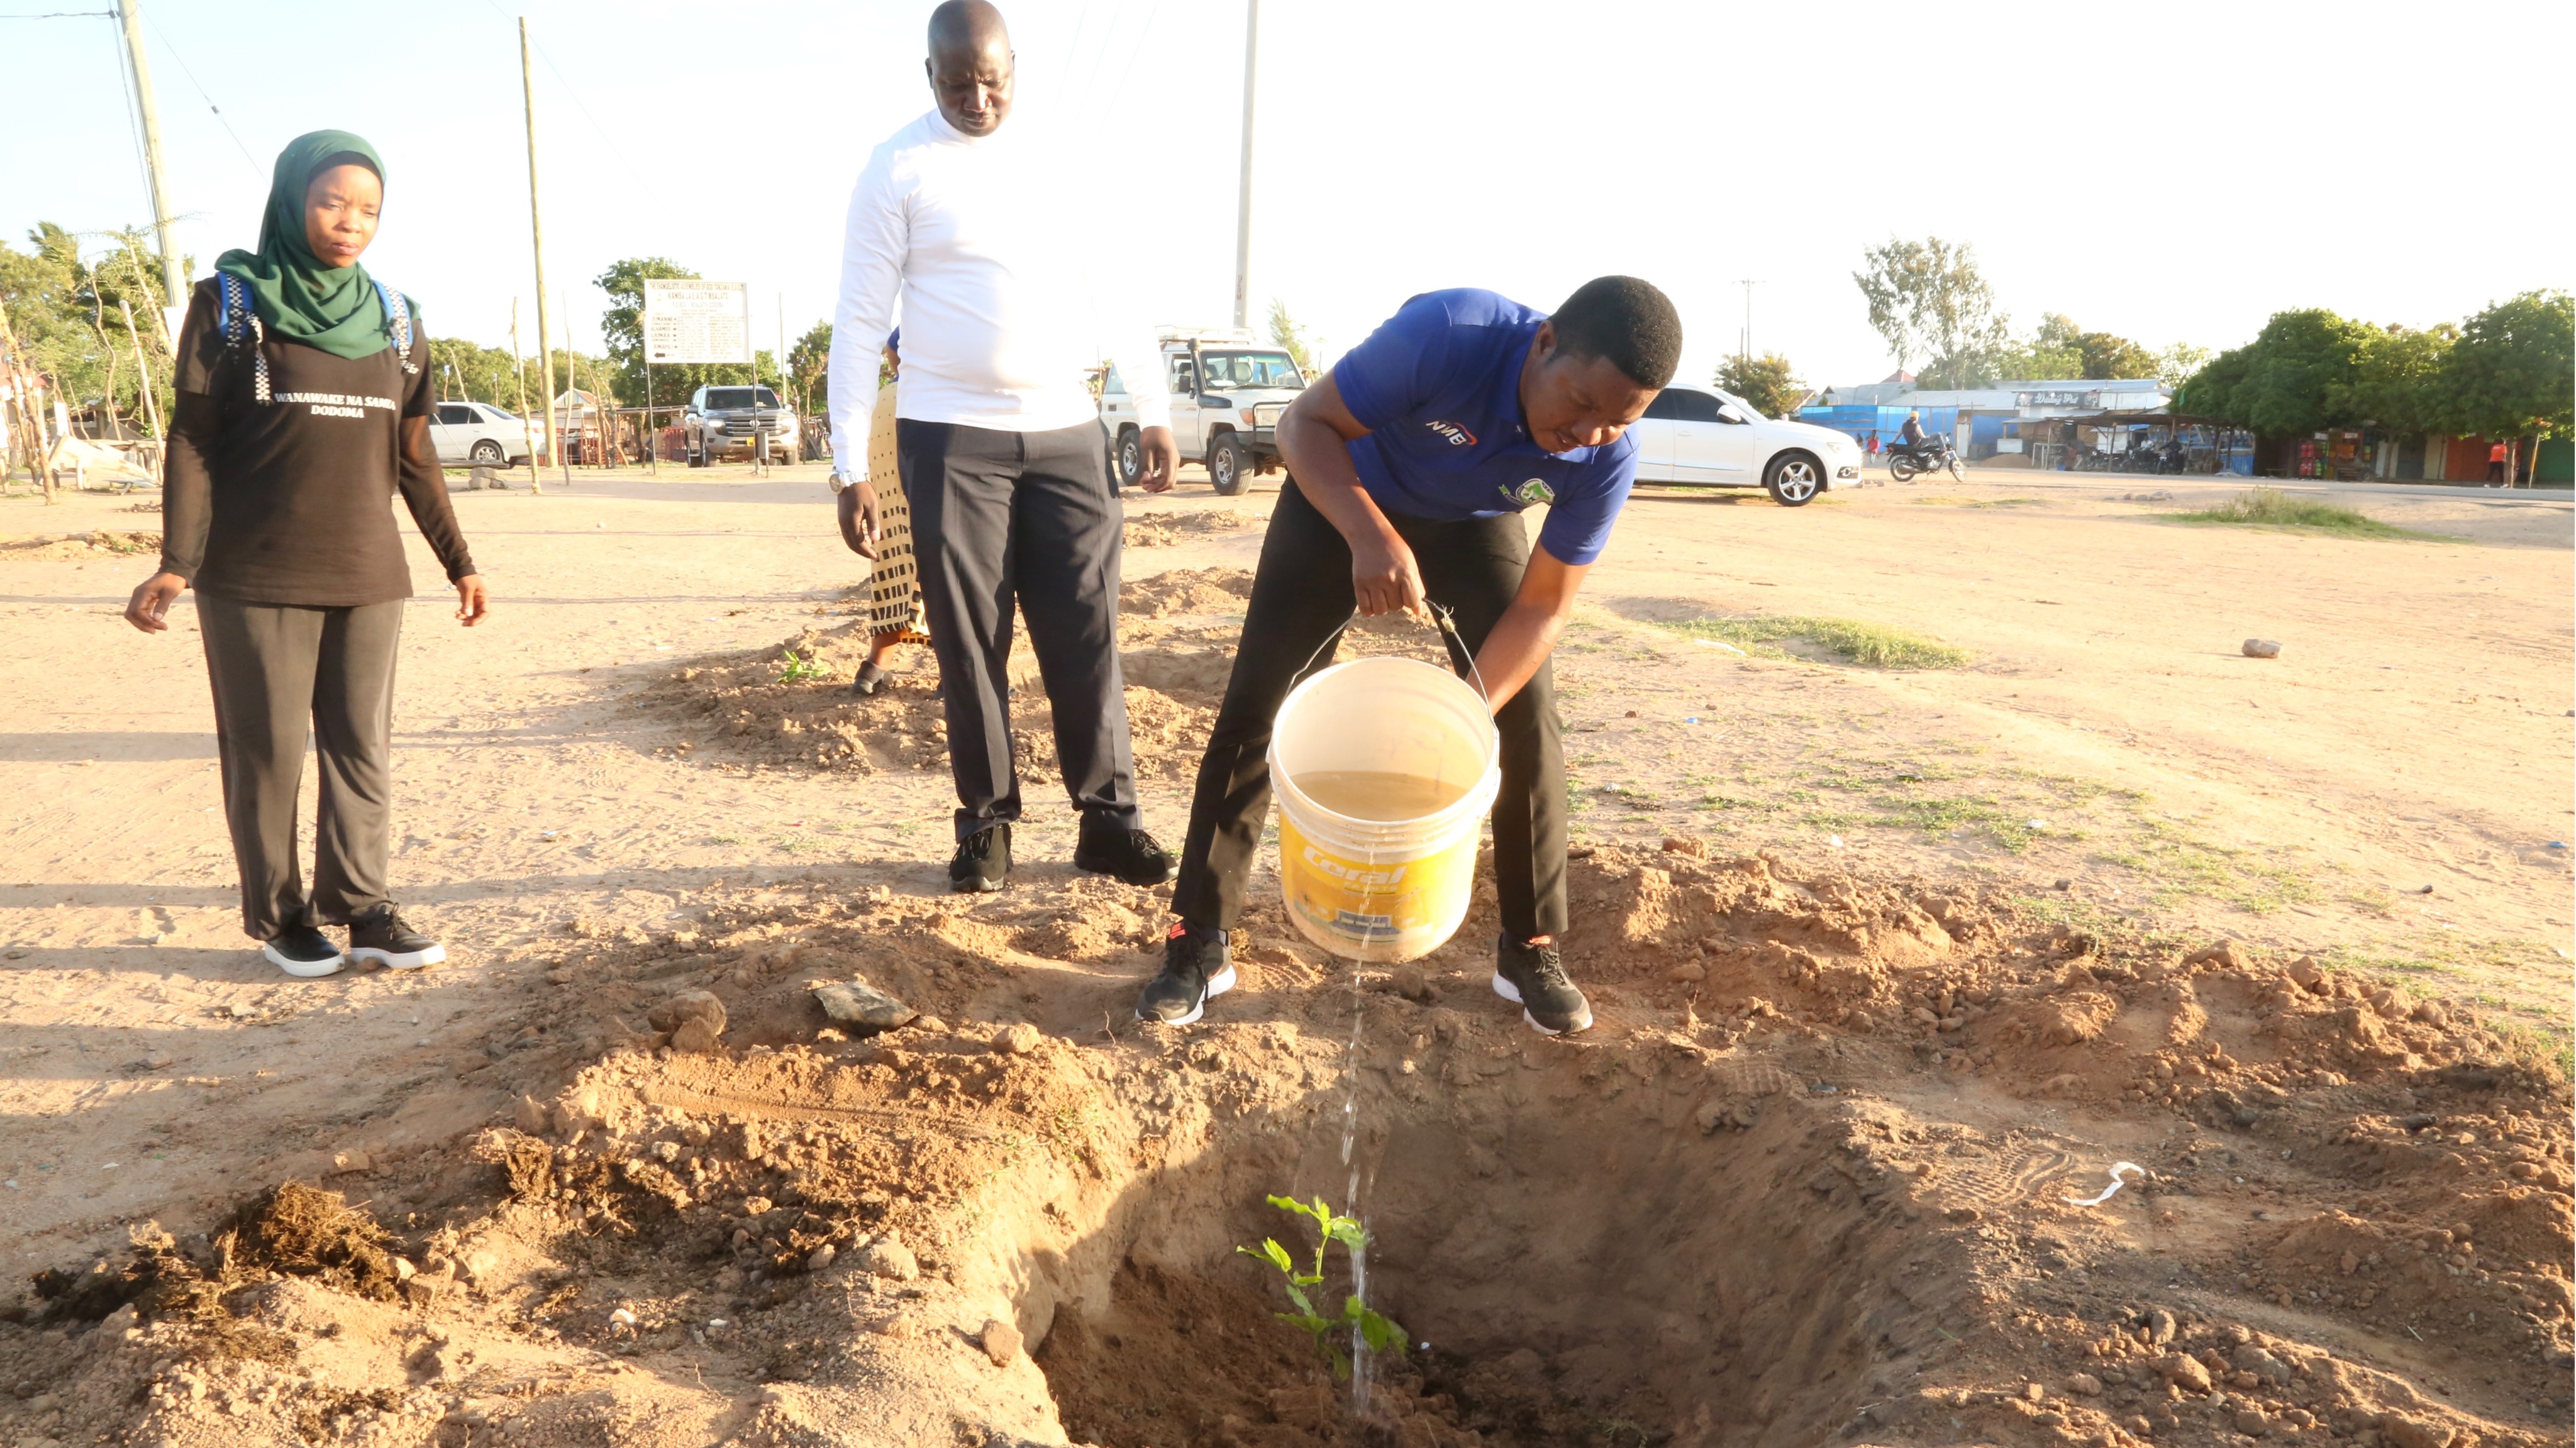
{"points": [[1701, 437], [477, 432]]}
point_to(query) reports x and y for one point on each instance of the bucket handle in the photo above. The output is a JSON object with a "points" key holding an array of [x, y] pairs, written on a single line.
{"points": [[1450, 639]]}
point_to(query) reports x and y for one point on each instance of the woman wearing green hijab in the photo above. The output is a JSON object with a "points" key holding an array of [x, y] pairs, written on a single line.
{"points": [[303, 407]]}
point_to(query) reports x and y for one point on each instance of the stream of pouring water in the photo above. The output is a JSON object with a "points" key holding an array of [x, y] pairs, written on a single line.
{"points": [[1362, 1364]]}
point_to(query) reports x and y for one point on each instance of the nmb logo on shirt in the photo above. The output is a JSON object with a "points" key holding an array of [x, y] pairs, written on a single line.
{"points": [[339, 404], [1458, 436]]}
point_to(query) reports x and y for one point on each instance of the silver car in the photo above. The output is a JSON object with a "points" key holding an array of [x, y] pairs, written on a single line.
{"points": [[477, 432]]}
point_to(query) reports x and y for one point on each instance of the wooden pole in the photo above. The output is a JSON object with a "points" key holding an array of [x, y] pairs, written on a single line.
{"points": [[164, 214], [537, 238], [151, 402], [27, 398]]}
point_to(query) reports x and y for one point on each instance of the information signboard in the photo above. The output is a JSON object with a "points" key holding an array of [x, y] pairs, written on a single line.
{"points": [[694, 321]]}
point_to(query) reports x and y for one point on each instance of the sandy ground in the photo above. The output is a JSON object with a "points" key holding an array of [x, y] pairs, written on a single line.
{"points": [[2390, 797]]}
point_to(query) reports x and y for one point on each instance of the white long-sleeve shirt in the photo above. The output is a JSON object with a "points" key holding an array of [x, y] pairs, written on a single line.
{"points": [[987, 247]]}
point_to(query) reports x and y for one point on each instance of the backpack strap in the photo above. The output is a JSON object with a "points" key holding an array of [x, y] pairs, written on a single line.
{"points": [[398, 321], [240, 324]]}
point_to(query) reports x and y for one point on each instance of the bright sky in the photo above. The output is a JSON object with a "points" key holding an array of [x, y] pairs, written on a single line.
{"points": [[2171, 172]]}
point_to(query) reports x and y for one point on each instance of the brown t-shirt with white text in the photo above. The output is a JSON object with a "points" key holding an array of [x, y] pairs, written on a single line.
{"points": [[290, 501]]}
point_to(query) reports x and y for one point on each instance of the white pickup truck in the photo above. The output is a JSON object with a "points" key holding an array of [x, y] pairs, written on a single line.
{"points": [[1227, 393]]}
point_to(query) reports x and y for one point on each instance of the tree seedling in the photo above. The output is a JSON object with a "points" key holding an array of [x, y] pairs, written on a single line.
{"points": [[798, 669], [1375, 1329]]}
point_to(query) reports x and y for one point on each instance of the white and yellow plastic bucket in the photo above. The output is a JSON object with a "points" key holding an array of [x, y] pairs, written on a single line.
{"points": [[1382, 890]]}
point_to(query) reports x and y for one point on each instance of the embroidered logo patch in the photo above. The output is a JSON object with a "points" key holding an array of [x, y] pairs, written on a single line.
{"points": [[1534, 493], [1458, 436]]}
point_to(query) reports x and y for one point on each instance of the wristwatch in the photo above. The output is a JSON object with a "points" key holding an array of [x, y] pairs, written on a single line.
{"points": [[836, 483]]}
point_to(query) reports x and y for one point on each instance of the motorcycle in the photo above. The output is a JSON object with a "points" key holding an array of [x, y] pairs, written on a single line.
{"points": [[1931, 455]]}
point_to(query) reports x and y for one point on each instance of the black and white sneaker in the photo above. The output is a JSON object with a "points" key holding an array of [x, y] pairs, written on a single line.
{"points": [[1130, 855], [1533, 978], [380, 936], [1196, 965], [301, 950], [982, 861]]}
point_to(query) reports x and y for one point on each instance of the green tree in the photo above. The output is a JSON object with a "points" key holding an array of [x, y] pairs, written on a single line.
{"points": [[2298, 375], [2052, 353], [2179, 361], [2108, 355], [65, 307], [1928, 299], [2397, 381], [2512, 372], [1765, 381], [809, 367], [1291, 337]]}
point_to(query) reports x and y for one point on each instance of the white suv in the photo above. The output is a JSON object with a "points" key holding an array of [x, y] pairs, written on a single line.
{"points": [[1227, 394], [477, 432]]}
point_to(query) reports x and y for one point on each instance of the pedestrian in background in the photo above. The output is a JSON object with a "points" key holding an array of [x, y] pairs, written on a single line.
{"points": [[894, 587], [303, 406], [978, 231]]}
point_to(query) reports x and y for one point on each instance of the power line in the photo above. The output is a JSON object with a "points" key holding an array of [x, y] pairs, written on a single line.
{"points": [[1141, 37], [134, 122], [64, 15], [569, 89], [171, 46]]}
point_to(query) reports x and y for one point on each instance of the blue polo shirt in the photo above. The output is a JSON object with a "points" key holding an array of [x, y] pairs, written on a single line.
{"points": [[1438, 387]]}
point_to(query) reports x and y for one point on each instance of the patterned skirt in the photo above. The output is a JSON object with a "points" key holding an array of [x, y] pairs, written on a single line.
{"points": [[894, 592]]}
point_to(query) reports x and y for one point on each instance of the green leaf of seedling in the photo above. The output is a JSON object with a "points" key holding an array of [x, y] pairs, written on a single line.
{"points": [[1341, 1366], [1297, 1294], [1278, 1255], [1380, 1331], [1290, 1204], [1349, 1233], [1306, 1279]]}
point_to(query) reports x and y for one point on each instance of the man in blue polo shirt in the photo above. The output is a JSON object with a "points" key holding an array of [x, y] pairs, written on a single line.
{"points": [[1412, 461]]}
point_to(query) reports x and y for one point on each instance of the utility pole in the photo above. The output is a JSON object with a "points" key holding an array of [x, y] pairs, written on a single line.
{"points": [[537, 235], [1748, 283], [174, 287], [1243, 195]]}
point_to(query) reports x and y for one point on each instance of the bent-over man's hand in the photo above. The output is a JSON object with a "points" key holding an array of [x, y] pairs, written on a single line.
{"points": [[473, 602], [1385, 579], [149, 608], [859, 520], [1162, 461]]}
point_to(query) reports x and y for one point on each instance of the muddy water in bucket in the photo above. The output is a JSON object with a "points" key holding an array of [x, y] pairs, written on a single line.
{"points": [[1384, 768]]}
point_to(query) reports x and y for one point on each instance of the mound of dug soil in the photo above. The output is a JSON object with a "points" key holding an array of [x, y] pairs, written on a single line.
{"points": [[1186, 591], [79, 547], [1815, 1176], [790, 705], [1153, 531]]}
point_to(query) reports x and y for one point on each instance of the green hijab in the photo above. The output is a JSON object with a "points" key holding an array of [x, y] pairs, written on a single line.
{"points": [[333, 308]]}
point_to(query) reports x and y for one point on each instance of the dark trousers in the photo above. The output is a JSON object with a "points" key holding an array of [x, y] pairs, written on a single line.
{"points": [[1004, 516], [1301, 594], [280, 673]]}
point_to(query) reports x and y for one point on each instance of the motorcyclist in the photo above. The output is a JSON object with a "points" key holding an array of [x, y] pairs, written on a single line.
{"points": [[1910, 436]]}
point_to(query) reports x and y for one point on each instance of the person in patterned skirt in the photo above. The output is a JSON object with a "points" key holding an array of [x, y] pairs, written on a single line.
{"points": [[894, 587]]}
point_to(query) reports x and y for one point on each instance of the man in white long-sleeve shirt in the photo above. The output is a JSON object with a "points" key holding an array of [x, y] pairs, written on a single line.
{"points": [[978, 237]]}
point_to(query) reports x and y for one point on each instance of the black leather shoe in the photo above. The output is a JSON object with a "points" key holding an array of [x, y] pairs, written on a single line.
{"points": [[1533, 977], [1196, 966], [982, 861], [380, 936], [301, 950], [1130, 855]]}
